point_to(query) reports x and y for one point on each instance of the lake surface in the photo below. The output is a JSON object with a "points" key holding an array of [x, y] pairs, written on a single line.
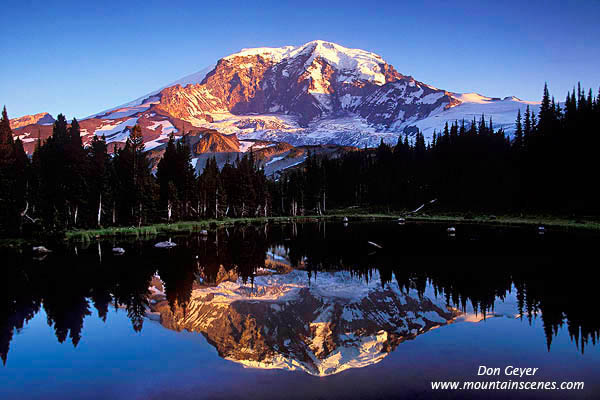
{"points": [[365, 310]]}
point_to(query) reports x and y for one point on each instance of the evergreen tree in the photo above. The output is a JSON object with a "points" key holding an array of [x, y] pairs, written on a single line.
{"points": [[546, 110], [76, 169], [446, 133], [134, 185], [54, 208], [186, 178], [527, 128], [13, 179], [518, 141], [100, 195], [6, 136], [211, 188], [166, 173]]}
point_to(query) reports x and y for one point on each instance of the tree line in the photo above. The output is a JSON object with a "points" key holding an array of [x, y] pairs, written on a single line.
{"points": [[548, 166], [66, 185]]}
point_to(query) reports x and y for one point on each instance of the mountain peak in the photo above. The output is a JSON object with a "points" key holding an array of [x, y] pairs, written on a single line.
{"points": [[41, 118], [368, 66], [512, 98]]}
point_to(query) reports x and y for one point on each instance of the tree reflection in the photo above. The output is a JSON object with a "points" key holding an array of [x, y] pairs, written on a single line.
{"points": [[473, 269]]}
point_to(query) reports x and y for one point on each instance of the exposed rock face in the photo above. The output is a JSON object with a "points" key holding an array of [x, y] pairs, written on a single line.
{"points": [[401, 101], [41, 118], [186, 103], [322, 327], [269, 151], [214, 142]]}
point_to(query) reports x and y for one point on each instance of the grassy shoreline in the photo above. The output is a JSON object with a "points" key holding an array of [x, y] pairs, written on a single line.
{"points": [[86, 235], [548, 221], [195, 226], [180, 227]]}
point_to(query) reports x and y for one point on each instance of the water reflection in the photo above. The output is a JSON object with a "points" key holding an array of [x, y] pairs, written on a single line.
{"points": [[321, 326], [313, 297]]}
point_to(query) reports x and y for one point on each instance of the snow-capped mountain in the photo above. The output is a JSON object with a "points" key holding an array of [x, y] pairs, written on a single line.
{"points": [[316, 93]]}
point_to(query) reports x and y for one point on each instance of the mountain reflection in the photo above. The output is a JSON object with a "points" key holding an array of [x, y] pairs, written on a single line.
{"points": [[316, 297], [322, 327]]}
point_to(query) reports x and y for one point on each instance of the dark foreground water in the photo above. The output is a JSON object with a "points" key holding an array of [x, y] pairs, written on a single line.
{"points": [[302, 311]]}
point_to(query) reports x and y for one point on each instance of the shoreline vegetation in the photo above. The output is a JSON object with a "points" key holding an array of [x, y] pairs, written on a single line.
{"points": [[196, 226], [353, 215]]}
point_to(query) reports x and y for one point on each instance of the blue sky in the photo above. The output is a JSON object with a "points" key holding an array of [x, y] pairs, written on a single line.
{"points": [[79, 58]]}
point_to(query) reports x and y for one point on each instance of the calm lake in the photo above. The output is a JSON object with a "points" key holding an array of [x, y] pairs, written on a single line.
{"points": [[365, 310]]}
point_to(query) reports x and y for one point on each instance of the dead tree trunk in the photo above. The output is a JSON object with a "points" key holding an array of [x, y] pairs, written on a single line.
{"points": [[99, 209], [217, 203]]}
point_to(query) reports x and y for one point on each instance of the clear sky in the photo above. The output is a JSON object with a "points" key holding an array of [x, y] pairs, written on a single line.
{"points": [[81, 57]]}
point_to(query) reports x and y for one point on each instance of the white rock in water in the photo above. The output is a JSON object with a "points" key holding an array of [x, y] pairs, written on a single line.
{"points": [[165, 245], [41, 250], [118, 250]]}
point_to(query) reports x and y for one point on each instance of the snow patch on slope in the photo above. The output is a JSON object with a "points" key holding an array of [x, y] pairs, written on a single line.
{"points": [[472, 98], [166, 129], [116, 132]]}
